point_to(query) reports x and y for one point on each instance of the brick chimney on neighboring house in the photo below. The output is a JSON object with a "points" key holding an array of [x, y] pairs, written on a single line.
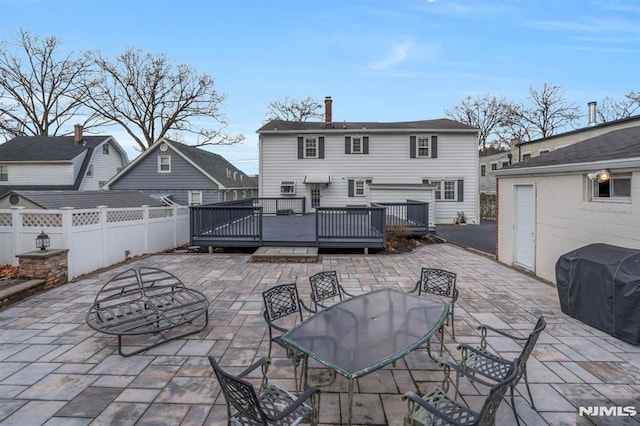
{"points": [[592, 113], [77, 134], [328, 113]]}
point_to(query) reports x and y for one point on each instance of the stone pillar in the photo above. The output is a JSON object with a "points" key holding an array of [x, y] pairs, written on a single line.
{"points": [[49, 265]]}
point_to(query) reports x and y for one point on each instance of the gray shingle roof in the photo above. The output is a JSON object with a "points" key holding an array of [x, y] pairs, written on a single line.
{"points": [[615, 145], [46, 148], [216, 166], [439, 124], [88, 199]]}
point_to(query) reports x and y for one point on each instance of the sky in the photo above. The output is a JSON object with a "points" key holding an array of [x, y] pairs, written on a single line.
{"points": [[379, 60]]}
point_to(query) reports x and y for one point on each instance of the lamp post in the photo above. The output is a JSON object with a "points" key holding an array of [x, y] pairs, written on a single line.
{"points": [[43, 241]]}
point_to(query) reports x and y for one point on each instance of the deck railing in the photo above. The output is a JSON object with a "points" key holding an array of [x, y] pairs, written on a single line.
{"points": [[228, 220], [350, 223], [294, 205], [411, 214]]}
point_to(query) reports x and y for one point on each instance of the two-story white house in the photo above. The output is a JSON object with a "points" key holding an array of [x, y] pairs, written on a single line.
{"points": [[335, 164], [77, 162]]}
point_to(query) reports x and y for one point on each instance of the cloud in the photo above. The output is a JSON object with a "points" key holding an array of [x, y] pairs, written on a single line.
{"points": [[399, 53]]}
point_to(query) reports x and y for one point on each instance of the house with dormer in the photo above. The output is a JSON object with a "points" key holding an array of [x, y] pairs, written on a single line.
{"points": [[78, 162], [184, 175], [335, 164]]}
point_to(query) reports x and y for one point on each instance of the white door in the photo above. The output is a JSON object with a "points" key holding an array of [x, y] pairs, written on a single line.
{"points": [[525, 227]]}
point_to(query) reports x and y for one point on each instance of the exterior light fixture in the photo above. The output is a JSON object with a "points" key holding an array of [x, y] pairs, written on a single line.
{"points": [[43, 241], [600, 176]]}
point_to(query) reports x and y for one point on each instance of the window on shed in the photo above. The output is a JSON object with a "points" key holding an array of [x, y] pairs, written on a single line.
{"points": [[164, 164], [618, 187], [105, 149], [287, 187], [4, 173]]}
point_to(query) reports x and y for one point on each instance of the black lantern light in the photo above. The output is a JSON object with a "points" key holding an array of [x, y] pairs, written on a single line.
{"points": [[42, 241]]}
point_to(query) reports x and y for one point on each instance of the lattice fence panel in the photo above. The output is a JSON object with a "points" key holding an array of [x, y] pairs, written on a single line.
{"points": [[39, 220], [160, 213], [5, 219], [82, 219], [124, 216], [184, 211]]}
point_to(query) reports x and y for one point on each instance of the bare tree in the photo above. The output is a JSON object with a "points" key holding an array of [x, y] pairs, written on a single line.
{"points": [[288, 109], [611, 110], [40, 87], [148, 97], [548, 113], [488, 113]]}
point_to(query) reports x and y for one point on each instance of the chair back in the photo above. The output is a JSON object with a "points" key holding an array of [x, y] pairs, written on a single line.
{"points": [[496, 394], [238, 394], [529, 345], [324, 285], [437, 281], [281, 301]]}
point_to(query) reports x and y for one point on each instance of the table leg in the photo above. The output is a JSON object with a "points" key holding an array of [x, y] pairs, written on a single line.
{"points": [[350, 400]]}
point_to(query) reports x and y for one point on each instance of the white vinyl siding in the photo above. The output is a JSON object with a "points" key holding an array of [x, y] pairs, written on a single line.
{"points": [[104, 167], [388, 161], [43, 173]]}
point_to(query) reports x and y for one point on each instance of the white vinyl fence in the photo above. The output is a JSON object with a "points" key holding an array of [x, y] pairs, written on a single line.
{"points": [[95, 238]]}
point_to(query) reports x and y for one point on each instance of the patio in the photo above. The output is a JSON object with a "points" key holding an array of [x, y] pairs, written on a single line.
{"points": [[54, 369]]}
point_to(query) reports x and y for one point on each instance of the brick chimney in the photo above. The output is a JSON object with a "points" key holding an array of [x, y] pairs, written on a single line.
{"points": [[77, 133], [592, 113], [328, 113]]}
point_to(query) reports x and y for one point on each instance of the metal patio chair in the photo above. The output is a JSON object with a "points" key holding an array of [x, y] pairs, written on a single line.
{"points": [[271, 405], [441, 283], [437, 408], [325, 286], [282, 304], [483, 367]]}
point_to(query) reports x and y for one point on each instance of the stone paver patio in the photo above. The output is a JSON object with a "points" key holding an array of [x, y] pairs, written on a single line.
{"points": [[54, 369]]}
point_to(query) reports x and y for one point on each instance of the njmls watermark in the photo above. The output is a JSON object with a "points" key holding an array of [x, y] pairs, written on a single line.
{"points": [[608, 413]]}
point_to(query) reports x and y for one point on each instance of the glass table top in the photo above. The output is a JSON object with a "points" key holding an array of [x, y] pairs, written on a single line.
{"points": [[367, 332]]}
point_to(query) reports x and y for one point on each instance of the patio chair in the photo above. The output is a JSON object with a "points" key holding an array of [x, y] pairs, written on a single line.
{"points": [[437, 408], [272, 405], [483, 366], [281, 304], [325, 286], [441, 283]]}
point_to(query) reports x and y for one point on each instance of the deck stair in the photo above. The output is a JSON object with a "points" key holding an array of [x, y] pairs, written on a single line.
{"points": [[285, 254]]}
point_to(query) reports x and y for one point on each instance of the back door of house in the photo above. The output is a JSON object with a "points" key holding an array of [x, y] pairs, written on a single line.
{"points": [[525, 226]]}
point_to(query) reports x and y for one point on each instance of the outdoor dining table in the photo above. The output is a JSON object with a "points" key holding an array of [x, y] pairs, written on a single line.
{"points": [[364, 333]]}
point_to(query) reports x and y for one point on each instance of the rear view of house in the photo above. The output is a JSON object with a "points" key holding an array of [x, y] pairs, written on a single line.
{"points": [[335, 164]]}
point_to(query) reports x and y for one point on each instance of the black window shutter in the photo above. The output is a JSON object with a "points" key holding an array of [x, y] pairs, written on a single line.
{"points": [[412, 147], [347, 144], [300, 147], [365, 144], [352, 185], [460, 190], [321, 147], [434, 147]]}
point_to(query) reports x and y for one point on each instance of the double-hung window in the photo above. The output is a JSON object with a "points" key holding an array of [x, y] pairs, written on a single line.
{"points": [[359, 188], [618, 187], [356, 145], [423, 146], [448, 190], [4, 173], [310, 147], [164, 164], [105, 149]]}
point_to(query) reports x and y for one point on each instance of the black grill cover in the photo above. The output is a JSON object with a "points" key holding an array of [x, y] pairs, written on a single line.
{"points": [[599, 284]]}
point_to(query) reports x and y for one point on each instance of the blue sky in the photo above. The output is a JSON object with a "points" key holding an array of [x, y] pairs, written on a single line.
{"points": [[380, 60]]}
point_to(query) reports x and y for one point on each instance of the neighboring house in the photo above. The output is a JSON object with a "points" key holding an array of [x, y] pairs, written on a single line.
{"points": [[489, 163], [337, 164], [184, 175], [549, 205], [78, 162], [522, 151], [55, 199]]}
